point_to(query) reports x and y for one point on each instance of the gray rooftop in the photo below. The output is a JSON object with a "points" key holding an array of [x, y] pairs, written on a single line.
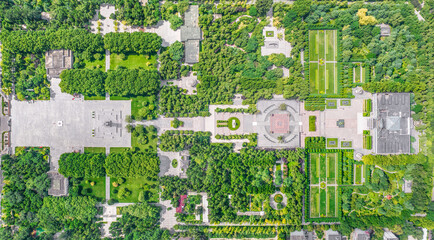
{"points": [[393, 123], [58, 60], [385, 30], [192, 51], [59, 184], [191, 34], [191, 16]]}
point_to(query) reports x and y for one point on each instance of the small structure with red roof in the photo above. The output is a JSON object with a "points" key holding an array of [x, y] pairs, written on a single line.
{"points": [[181, 204]]}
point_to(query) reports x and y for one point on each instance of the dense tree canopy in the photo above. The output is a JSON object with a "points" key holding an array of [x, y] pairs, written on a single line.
{"points": [[132, 82], [77, 165], [138, 42], [85, 81], [132, 164]]}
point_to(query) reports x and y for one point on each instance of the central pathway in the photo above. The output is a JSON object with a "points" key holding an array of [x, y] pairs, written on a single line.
{"points": [[107, 60]]}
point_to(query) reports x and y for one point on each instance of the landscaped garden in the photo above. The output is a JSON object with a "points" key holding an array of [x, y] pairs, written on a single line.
{"points": [[93, 187], [323, 184], [132, 61], [323, 56], [127, 190], [232, 123]]}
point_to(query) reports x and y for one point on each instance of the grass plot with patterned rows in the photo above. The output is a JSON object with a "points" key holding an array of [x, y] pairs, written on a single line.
{"points": [[323, 54], [323, 184]]}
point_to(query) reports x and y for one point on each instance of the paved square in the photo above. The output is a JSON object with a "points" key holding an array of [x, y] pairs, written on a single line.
{"points": [[70, 123], [279, 123]]}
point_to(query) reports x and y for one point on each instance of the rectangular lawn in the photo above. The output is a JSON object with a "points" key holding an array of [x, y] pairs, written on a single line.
{"points": [[135, 185], [321, 44], [314, 78], [321, 78], [314, 201], [313, 47], [331, 201], [323, 167], [323, 75], [331, 81], [323, 202], [331, 168], [133, 61], [314, 168], [331, 48], [358, 171], [357, 73], [97, 190], [94, 150]]}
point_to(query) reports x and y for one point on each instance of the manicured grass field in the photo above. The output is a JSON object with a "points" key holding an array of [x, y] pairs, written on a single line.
{"points": [[322, 61], [133, 61], [313, 47], [94, 149], [331, 201], [314, 200], [323, 167], [314, 168], [323, 202], [358, 171], [117, 98], [97, 190], [331, 168], [357, 73], [118, 149], [94, 98], [95, 64], [323, 196], [331, 80], [135, 185], [331, 50], [137, 103]]}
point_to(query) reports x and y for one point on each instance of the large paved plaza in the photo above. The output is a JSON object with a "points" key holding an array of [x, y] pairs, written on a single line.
{"points": [[65, 121]]}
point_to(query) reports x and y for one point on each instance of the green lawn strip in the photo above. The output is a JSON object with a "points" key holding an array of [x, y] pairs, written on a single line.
{"points": [[323, 167], [94, 150], [358, 173], [313, 50], [151, 145], [313, 76], [321, 44], [321, 78], [314, 200], [117, 98], [331, 168], [357, 73], [94, 97], [95, 64], [323, 202], [335, 106], [314, 168], [330, 45], [134, 185], [133, 61], [335, 43], [363, 79], [330, 142], [98, 190], [331, 201], [331, 78], [119, 149]]}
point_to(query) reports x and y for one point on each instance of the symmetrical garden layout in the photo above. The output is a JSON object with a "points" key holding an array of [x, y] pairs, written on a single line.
{"points": [[323, 184], [323, 55]]}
